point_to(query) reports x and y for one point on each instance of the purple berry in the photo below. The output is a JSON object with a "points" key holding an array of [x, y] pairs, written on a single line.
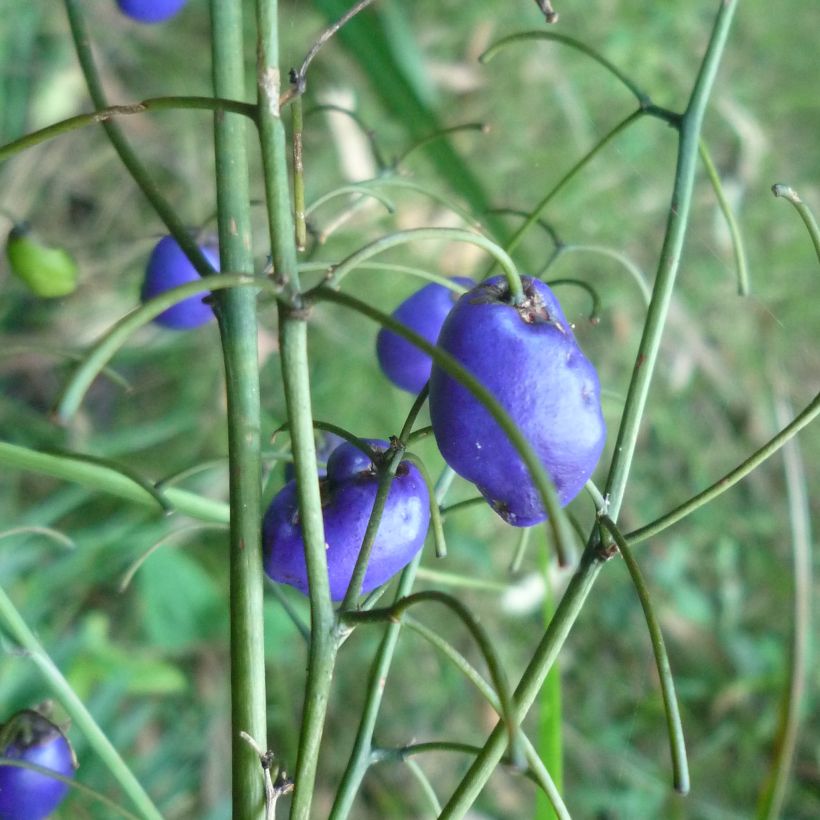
{"points": [[529, 359], [325, 446], [169, 267], [150, 11], [348, 495], [425, 311], [24, 793]]}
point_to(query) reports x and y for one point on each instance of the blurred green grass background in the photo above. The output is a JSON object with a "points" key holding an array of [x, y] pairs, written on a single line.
{"points": [[151, 663]]}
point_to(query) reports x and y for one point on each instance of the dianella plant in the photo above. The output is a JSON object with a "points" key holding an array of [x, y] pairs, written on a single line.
{"points": [[364, 365]]}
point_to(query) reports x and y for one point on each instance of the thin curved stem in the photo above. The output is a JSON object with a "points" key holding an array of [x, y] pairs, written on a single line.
{"points": [[577, 45], [556, 517], [789, 194], [443, 133], [594, 297], [369, 134], [390, 181], [341, 432], [114, 111], [44, 532], [151, 191], [16, 626], [731, 478], [106, 479], [481, 638], [344, 190], [738, 246], [428, 276], [436, 524], [338, 272], [426, 785], [677, 744]]}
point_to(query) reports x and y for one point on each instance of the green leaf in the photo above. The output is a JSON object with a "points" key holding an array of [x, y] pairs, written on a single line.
{"points": [[48, 272]]}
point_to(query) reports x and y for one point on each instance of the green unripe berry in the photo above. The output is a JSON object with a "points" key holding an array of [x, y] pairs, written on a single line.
{"points": [[48, 272]]}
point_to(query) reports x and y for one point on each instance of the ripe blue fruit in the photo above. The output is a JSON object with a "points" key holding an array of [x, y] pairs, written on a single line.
{"points": [[24, 793], [425, 311], [348, 494], [169, 267], [527, 356], [150, 11]]}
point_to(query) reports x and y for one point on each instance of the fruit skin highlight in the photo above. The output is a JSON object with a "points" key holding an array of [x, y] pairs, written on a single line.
{"points": [[169, 267], [348, 494], [529, 359], [425, 311], [150, 11], [24, 793]]}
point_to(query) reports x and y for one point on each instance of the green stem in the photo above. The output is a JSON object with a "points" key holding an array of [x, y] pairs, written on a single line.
{"points": [[297, 127], [108, 480], [593, 560], [389, 267], [113, 111], [236, 314], [803, 210], [323, 643], [773, 793], [16, 626], [426, 785], [437, 135], [738, 246], [677, 745], [731, 478], [176, 227], [338, 272]]}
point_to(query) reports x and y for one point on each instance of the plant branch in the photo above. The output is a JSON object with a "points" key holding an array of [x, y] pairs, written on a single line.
{"points": [[790, 195]]}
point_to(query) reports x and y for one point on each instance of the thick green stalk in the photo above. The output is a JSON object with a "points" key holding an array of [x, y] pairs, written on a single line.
{"points": [[130, 160], [593, 560], [236, 312], [16, 626]]}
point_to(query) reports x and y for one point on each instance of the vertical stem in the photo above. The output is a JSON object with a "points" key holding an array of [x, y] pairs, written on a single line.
{"points": [[298, 172], [236, 311], [592, 560], [296, 381]]}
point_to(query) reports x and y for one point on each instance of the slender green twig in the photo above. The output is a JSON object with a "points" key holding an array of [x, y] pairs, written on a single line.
{"points": [[790, 195], [44, 532], [176, 227], [680, 766], [738, 246], [338, 272], [390, 267], [773, 792], [481, 127], [556, 517], [236, 314], [593, 559], [108, 480], [426, 785], [731, 478], [341, 432], [16, 626], [436, 523], [113, 111], [297, 148], [360, 189], [381, 163], [594, 298]]}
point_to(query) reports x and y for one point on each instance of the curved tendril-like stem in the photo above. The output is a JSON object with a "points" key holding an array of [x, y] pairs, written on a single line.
{"points": [[455, 579], [296, 619], [116, 336], [132, 570], [420, 273], [537, 771], [593, 559], [110, 804], [344, 190], [640, 96], [109, 480], [369, 133], [413, 413], [680, 767], [328, 427], [516, 238], [113, 111], [481, 127], [389, 181], [16, 626], [628, 265], [426, 785], [788, 193], [481, 638], [730, 479], [418, 435], [140, 175], [556, 517], [738, 246], [187, 472], [595, 298], [475, 501], [44, 532], [115, 466], [520, 551], [542, 223], [338, 272]]}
